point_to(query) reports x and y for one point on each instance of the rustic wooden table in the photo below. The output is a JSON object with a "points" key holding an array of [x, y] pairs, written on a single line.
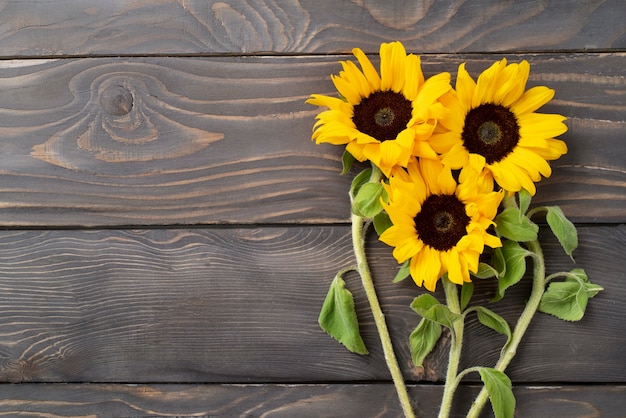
{"points": [[169, 230]]}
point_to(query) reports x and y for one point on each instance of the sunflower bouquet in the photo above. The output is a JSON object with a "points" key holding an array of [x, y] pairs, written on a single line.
{"points": [[449, 186]]}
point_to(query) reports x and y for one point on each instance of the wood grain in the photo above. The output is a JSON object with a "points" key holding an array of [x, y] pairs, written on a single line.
{"points": [[80, 28], [168, 230], [241, 305], [153, 141], [274, 401]]}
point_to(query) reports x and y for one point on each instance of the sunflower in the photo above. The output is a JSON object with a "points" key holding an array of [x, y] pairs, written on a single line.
{"points": [[495, 118], [441, 226], [384, 118]]}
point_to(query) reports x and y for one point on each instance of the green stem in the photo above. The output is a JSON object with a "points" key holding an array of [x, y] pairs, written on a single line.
{"points": [[358, 242], [456, 344], [539, 275]]}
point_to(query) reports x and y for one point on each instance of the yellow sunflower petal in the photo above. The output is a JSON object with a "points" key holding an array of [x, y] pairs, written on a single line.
{"points": [[532, 100], [431, 170], [486, 84], [423, 149], [415, 274], [444, 141], [541, 124], [465, 86], [454, 267], [426, 267], [414, 78], [506, 82], [392, 66], [457, 157], [555, 149], [368, 69], [516, 89], [408, 249], [531, 161], [356, 78], [347, 90], [512, 177], [356, 151], [492, 241], [433, 88]]}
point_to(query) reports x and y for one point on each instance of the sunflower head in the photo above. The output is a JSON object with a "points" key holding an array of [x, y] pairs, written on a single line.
{"points": [[385, 118], [439, 224], [495, 119]]}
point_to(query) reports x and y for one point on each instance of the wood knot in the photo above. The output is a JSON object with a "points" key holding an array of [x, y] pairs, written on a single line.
{"points": [[116, 100], [127, 115]]}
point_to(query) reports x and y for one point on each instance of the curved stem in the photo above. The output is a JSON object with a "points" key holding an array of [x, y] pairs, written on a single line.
{"points": [[358, 242], [456, 344], [523, 322]]}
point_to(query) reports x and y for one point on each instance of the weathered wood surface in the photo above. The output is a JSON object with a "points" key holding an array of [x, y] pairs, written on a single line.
{"points": [[163, 115], [241, 305], [93, 27], [288, 401], [151, 141]]}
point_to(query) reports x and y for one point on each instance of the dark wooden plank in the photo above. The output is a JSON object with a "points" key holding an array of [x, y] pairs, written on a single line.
{"points": [[241, 305], [150, 141], [318, 401], [78, 27]]}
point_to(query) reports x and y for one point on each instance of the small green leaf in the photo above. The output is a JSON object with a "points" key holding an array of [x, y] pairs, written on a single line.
{"points": [[524, 201], [338, 317], [467, 291], [359, 180], [500, 392], [430, 308], [567, 300], [347, 160], [424, 302], [382, 222], [367, 200], [579, 274], [590, 288], [562, 228], [515, 260], [494, 321], [423, 339], [511, 224], [403, 273], [485, 271]]}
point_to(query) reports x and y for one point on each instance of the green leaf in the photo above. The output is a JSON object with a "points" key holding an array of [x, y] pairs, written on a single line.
{"points": [[359, 180], [512, 224], [485, 271], [430, 308], [524, 201], [347, 160], [424, 302], [467, 291], [500, 392], [498, 261], [562, 228], [494, 321], [403, 273], [515, 261], [382, 222], [579, 274], [338, 317], [423, 339], [567, 300], [367, 200]]}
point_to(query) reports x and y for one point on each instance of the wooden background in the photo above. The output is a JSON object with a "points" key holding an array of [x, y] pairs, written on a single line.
{"points": [[168, 229]]}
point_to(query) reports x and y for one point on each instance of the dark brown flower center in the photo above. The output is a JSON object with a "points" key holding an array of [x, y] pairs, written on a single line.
{"points": [[442, 221], [383, 115], [490, 130]]}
